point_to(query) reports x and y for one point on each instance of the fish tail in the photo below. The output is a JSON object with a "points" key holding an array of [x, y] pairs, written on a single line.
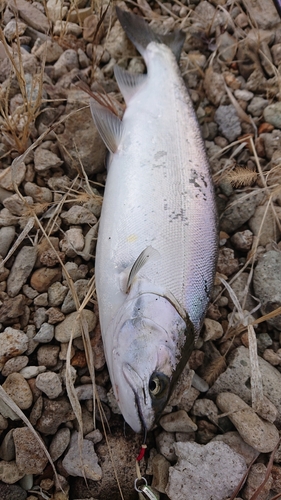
{"points": [[140, 33]]}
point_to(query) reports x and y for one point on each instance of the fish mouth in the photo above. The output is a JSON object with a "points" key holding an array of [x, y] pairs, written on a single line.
{"points": [[134, 380]]}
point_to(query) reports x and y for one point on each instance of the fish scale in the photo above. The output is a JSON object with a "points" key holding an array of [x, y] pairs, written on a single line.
{"points": [[159, 199]]}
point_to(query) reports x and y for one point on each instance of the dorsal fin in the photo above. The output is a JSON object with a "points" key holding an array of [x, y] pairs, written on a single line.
{"points": [[128, 83], [146, 255], [108, 125], [140, 33]]}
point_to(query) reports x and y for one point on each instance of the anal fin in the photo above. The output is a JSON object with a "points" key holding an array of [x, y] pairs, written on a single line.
{"points": [[108, 125]]}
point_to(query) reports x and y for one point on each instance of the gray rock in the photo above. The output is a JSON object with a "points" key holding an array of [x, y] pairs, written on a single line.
{"points": [[213, 330], [242, 240], [269, 229], [84, 391], [49, 383], [66, 62], [165, 445], [30, 457], [272, 114], [243, 94], [236, 443], [47, 355], [276, 54], [72, 324], [73, 241], [56, 294], [12, 492], [257, 106], [40, 317], [21, 269], [261, 435], [81, 288], [45, 333], [32, 371], [41, 300], [227, 46], [178, 421], [239, 210], [204, 472], [54, 414], [14, 365], [7, 448], [160, 468], [31, 15], [78, 215], [12, 343], [272, 142], [72, 460], [257, 476], [228, 122], [267, 276], [263, 13], [37, 193], [205, 408], [45, 159], [7, 235], [237, 379], [59, 443], [49, 49]]}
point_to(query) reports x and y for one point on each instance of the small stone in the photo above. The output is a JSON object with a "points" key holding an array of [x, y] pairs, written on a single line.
{"points": [[45, 159], [242, 240], [272, 114], [204, 472], [227, 263], [78, 215], [44, 277], [36, 411], [30, 457], [12, 492], [72, 325], [188, 398], [267, 276], [84, 391], [50, 50], [66, 62], [41, 300], [48, 355], [12, 308], [239, 210], [265, 225], [32, 371], [55, 315], [9, 473], [14, 365], [205, 408], [12, 343], [73, 241], [257, 474], [59, 443], [81, 288], [56, 294], [18, 389], [178, 421], [160, 467], [31, 15], [56, 10], [50, 384], [261, 435], [45, 334], [37, 193], [13, 29], [90, 31], [7, 449], [214, 86], [227, 46], [213, 330], [39, 317], [274, 358], [276, 54], [72, 460], [54, 414], [95, 436], [243, 95], [257, 106], [234, 441], [228, 122], [165, 445], [70, 29], [7, 235]]}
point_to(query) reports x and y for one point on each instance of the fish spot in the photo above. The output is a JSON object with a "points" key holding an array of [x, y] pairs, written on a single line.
{"points": [[132, 238]]}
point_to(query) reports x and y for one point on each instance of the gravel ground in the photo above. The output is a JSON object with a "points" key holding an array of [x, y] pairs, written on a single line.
{"points": [[221, 426]]}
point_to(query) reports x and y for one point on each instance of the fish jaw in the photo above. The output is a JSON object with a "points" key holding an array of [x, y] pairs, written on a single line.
{"points": [[150, 340]]}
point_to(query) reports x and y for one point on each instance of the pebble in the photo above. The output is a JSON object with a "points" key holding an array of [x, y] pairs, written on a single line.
{"points": [[21, 269], [243, 94], [84, 391], [257, 474], [30, 457], [261, 435], [9, 472], [276, 54], [235, 442], [256, 106], [48, 355], [95, 436], [7, 235], [31, 15], [50, 50], [78, 215], [55, 315], [68, 28], [205, 408], [72, 325], [214, 86], [269, 231], [213, 330], [59, 443], [36, 411], [276, 476], [81, 288], [45, 159], [266, 281], [12, 308], [49, 383], [272, 114], [45, 333], [12, 492], [12, 343], [56, 294], [257, 9], [274, 358], [227, 46], [32, 371], [72, 460], [7, 449], [242, 240], [188, 398], [160, 468], [14, 365], [73, 241], [227, 263], [18, 389], [228, 122], [41, 300], [165, 445], [178, 421], [39, 317], [56, 10], [204, 471], [3, 423], [37, 193], [239, 210], [53, 415], [44, 277], [236, 379]]}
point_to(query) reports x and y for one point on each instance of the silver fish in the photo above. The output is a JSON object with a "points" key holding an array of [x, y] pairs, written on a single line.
{"points": [[157, 242]]}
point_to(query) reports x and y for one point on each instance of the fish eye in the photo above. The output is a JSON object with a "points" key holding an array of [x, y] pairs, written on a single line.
{"points": [[158, 384]]}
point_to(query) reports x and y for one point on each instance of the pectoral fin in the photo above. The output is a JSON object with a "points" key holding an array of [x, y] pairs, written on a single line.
{"points": [[146, 255], [108, 125]]}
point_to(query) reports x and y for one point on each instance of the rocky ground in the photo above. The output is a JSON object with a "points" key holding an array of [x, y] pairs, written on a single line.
{"points": [[219, 437]]}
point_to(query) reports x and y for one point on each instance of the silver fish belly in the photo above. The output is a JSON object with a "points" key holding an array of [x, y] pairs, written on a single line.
{"points": [[157, 242]]}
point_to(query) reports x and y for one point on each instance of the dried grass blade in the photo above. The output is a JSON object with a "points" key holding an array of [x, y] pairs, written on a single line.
{"points": [[256, 495], [29, 225], [243, 480], [256, 380]]}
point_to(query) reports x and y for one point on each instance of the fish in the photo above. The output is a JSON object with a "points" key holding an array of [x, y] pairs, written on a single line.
{"points": [[157, 242]]}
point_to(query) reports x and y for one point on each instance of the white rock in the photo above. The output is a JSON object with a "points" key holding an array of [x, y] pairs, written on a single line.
{"points": [[213, 330], [178, 421], [204, 471], [21, 269], [68, 28], [165, 444], [49, 383], [7, 235], [14, 28], [56, 10], [73, 241], [32, 371], [45, 333], [72, 460], [12, 343]]}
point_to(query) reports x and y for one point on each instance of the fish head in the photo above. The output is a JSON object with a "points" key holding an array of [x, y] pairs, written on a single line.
{"points": [[151, 344]]}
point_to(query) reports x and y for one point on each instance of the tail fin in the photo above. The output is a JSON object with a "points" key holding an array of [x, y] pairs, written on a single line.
{"points": [[140, 33]]}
